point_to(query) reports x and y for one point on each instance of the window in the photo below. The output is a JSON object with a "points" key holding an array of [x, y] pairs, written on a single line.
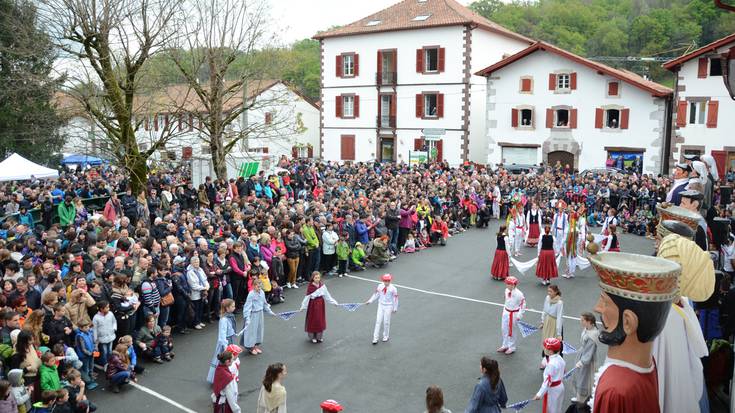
{"points": [[348, 106], [613, 89], [526, 85], [205, 149], [697, 112], [526, 118], [373, 23], [431, 59], [431, 105], [715, 66], [561, 118], [421, 18], [348, 65], [563, 81], [302, 152], [612, 118], [268, 118]]}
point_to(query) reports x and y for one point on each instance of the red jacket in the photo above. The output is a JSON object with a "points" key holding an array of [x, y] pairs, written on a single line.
{"points": [[440, 227]]}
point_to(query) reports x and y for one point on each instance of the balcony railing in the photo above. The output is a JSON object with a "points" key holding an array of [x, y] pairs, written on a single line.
{"points": [[386, 78], [386, 121]]}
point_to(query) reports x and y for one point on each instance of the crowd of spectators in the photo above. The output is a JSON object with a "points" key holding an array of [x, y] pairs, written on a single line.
{"points": [[114, 286]]}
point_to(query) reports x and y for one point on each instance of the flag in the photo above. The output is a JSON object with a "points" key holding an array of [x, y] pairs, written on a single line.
{"points": [[568, 348], [527, 329], [569, 373], [351, 307], [286, 315], [519, 406]]}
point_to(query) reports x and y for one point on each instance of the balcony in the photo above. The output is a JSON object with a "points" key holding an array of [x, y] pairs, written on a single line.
{"points": [[386, 122], [386, 78]]}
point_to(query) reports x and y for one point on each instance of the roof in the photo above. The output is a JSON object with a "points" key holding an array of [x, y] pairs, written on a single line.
{"points": [[628, 77], [674, 65], [400, 16]]}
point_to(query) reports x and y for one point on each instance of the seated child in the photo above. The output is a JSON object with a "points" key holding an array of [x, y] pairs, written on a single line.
{"points": [[358, 257], [76, 390], [47, 403], [62, 402], [410, 245], [166, 342]]}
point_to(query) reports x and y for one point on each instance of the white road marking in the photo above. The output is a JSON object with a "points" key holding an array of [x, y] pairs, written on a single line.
{"points": [[162, 397], [473, 300]]}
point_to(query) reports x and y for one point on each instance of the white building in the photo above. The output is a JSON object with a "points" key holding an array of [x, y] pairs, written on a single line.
{"points": [[701, 98], [546, 104], [281, 122], [402, 80]]}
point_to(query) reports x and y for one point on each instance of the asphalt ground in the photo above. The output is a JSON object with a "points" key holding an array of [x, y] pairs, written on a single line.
{"points": [[449, 317]]}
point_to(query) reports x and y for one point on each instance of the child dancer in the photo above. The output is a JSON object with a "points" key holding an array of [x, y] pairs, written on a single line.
{"points": [[552, 388], [499, 269], [552, 317], [387, 296], [546, 266], [517, 229], [571, 244], [533, 219], [515, 305], [610, 243]]}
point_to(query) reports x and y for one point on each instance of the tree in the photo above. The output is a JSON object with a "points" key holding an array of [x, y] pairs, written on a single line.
{"points": [[113, 40], [220, 40], [28, 120]]}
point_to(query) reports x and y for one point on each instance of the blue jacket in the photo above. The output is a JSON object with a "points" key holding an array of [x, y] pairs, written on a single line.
{"points": [[361, 232], [86, 340], [486, 400]]}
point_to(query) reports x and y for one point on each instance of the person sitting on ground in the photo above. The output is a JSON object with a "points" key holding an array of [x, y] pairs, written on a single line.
{"points": [[358, 257]]}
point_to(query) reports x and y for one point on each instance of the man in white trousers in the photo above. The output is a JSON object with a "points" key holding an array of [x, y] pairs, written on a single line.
{"points": [[496, 201], [515, 305], [560, 227], [387, 296], [552, 388]]}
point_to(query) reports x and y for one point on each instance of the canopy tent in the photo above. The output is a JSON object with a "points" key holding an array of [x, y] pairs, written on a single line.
{"points": [[83, 160], [18, 168]]}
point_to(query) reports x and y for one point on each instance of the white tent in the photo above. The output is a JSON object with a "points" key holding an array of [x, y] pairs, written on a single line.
{"points": [[18, 168]]}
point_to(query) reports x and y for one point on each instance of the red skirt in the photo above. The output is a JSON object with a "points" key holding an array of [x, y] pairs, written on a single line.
{"points": [[316, 319], [546, 266], [533, 235], [499, 270]]}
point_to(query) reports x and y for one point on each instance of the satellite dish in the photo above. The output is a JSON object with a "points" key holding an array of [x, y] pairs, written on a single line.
{"points": [[728, 71]]}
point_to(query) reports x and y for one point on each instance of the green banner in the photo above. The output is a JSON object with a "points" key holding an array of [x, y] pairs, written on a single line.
{"points": [[248, 168], [417, 157]]}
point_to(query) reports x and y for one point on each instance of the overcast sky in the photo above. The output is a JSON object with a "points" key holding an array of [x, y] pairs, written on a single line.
{"points": [[300, 19]]}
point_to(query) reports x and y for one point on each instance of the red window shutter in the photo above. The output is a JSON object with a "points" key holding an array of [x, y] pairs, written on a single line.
{"points": [[147, 123], [310, 151], [573, 119], [294, 152], [612, 89], [393, 105], [624, 118], [357, 64], [418, 144], [712, 107], [440, 105], [419, 60], [681, 113], [552, 81], [549, 118], [720, 161], [380, 64], [338, 106], [357, 107], [441, 59], [525, 85], [514, 117], [573, 80], [347, 147], [155, 122], [702, 68], [599, 113], [338, 66], [419, 105], [439, 150]]}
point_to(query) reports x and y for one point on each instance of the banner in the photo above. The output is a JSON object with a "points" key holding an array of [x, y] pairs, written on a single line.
{"points": [[287, 315], [248, 168], [527, 329], [417, 157], [568, 348], [351, 307]]}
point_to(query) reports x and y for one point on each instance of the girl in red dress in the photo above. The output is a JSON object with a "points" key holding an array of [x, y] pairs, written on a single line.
{"points": [[546, 266], [316, 318], [610, 243], [499, 269], [533, 220]]}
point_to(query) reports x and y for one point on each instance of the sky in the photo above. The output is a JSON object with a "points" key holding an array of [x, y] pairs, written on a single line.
{"points": [[300, 19]]}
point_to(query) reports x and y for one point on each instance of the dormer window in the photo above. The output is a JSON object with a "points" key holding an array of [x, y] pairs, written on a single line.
{"points": [[421, 18], [373, 23]]}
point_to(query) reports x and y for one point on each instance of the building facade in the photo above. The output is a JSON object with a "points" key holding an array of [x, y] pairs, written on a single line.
{"points": [[701, 100], [545, 104], [402, 80]]}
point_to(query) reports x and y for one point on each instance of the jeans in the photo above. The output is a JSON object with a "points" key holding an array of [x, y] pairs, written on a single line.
{"points": [[342, 264], [86, 371], [181, 303], [121, 377], [315, 257], [227, 291], [163, 316], [394, 240], [105, 350], [214, 298]]}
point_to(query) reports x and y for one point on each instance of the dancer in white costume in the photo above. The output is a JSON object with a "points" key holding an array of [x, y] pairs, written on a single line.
{"points": [[387, 296], [552, 388], [515, 306]]}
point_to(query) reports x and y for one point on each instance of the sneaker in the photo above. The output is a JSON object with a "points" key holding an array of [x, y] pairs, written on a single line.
{"points": [[295, 286], [574, 399], [502, 349], [198, 327], [375, 342], [385, 339], [92, 385], [288, 285], [313, 340], [203, 324], [341, 275], [510, 351], [157, 360]]}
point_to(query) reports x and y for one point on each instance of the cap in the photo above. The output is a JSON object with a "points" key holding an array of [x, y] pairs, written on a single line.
{"points": [[511, 280], [331, 406], [234, 349], [685, 167], [637, 277], [552, 343], [386, 277]]}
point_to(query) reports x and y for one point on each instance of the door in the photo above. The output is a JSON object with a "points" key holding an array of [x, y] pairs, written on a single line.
{"points": [[387, 67], [565, 158], [387, 149]]}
